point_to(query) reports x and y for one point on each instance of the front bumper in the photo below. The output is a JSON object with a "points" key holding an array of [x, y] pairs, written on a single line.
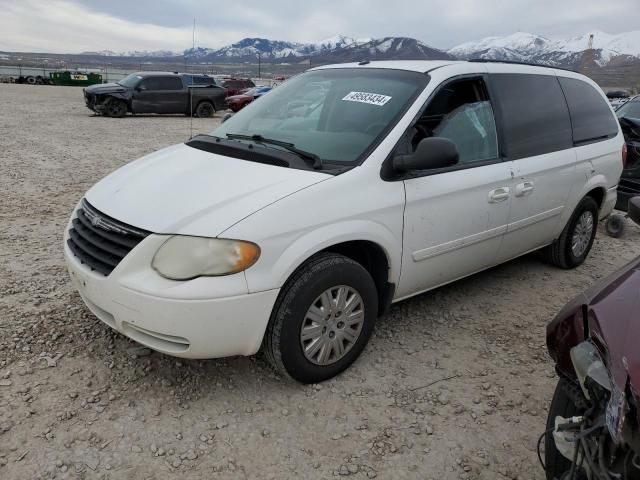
{"points": [[183, 319], [90, 101]]}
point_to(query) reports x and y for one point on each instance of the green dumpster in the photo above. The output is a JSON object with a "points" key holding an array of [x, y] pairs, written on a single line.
{"points": [[75, 78]]}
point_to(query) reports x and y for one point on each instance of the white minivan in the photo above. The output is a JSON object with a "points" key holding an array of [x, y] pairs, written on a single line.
{"points": [[296, 222]]}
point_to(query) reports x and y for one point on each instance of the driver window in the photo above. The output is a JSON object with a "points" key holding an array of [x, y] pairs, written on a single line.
{"points": [[461, 112]]}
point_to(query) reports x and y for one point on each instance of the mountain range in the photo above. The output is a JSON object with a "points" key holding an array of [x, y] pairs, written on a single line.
{"points": [[527, 47], [606, 49]]}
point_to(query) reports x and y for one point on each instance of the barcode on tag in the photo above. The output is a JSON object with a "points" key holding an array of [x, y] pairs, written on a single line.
{"points": [[364, 97]]}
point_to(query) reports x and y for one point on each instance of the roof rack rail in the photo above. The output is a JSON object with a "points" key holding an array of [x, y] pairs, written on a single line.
{"points": [[515, 62]]}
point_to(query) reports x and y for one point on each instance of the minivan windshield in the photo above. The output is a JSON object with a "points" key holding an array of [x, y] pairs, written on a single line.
{"points": [[130, 81], [336, 114]]}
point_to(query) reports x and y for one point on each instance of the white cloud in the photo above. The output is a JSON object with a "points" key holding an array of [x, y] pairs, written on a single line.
{"points": [[60, 26], [80, 25]]}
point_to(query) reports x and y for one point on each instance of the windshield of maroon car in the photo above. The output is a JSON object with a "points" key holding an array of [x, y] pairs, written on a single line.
{"points": [[338, 114], [130, 81]]}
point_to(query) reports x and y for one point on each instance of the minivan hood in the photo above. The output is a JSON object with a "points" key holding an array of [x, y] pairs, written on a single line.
{"points": [[183, 190]]}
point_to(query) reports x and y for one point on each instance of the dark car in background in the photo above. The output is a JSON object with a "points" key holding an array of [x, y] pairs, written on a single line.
{"points": [[235, 85], [593, 428], [629, 118], [238, 102], [617, 97], [157, 92]]}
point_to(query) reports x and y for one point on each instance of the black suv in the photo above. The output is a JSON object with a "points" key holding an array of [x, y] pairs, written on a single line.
{"points": [[157, 92]]}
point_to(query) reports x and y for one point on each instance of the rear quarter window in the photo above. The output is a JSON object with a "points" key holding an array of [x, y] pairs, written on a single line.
{"points": [[533, 113], [591, 115]]}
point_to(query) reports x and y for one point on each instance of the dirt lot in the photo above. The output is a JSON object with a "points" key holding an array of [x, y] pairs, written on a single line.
{"points": [[453, 385]]}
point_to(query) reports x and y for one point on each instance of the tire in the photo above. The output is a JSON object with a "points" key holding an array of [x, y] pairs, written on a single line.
{"points": [[562, 404], [31, 80], [205, 110], [615, 225], [115, 108], [283, 345], [561, 252]]}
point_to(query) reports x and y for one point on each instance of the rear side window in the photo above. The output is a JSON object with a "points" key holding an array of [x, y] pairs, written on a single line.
{"points": [[169, 83], [162, 83], [591, 115], [535, 118]]}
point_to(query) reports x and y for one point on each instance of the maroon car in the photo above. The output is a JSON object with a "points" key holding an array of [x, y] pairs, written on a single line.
{"points": [[593, 428], [235, 85], [238, 102]]}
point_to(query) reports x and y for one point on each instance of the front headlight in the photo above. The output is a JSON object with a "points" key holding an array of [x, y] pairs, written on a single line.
{"points": [[588, 364], [184, 258]]}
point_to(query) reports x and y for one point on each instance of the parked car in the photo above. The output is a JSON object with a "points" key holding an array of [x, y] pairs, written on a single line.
{"points": [[629, 118], [238, 102], [617, 98], [593, 423], [294, 228], [156, 92], [235, 85]]}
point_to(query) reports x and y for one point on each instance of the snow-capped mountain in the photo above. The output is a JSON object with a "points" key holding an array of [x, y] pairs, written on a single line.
{"points": [[528, 47], [516, 46], [248, 48], [387, 48]]}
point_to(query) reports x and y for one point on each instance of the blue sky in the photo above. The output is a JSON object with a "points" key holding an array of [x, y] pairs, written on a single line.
{"points": [[120, 25]]}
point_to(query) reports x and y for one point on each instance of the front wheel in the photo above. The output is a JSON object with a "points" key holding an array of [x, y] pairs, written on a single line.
{"points": [[115, 108], [575, 241], [322, 319], [562, 405]]}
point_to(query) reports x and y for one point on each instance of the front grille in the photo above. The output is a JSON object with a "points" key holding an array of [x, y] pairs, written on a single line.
{"points": [[99, 241]]}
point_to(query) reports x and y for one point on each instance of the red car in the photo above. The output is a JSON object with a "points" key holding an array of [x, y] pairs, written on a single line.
{"points": [[238, 102], [593, 428]]}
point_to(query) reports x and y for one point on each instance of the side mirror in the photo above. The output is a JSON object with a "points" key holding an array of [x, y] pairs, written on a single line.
{"points": [[431, 153], [226, 117], [633, 210]]}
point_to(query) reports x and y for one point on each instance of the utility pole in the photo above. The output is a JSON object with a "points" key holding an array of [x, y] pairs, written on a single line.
{"points": [[259, 57]]}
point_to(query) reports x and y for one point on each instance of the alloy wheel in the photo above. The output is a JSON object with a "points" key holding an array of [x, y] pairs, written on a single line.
{"points": [[582, 234], [332, 325]]}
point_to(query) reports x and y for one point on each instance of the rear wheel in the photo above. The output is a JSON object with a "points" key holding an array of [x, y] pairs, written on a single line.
{"points": [[575, 241], [322, 320], [205, 110]]}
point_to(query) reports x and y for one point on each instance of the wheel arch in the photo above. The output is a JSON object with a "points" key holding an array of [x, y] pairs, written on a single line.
{"points": [[598, 194], [596, 188], [368, 243], [374, 259]]}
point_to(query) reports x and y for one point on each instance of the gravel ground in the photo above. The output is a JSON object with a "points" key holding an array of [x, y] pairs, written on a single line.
{"points": [[453, 385]]}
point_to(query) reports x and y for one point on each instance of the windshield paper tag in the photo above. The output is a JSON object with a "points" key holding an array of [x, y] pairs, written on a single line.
{"points": [[364, 97]]}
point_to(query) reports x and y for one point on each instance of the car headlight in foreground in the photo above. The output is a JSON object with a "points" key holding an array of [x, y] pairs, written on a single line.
{"points": [[185, 258]]}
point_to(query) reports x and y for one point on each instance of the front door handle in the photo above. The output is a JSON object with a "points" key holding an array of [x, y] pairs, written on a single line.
{"points": [[524, 188], [499, 194]]}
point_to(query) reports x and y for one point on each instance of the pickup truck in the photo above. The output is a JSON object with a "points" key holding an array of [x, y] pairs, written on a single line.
{"points": [[157, 92]]}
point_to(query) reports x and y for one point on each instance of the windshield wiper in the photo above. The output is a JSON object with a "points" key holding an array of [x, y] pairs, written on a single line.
{"points": [[316, 161]]}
